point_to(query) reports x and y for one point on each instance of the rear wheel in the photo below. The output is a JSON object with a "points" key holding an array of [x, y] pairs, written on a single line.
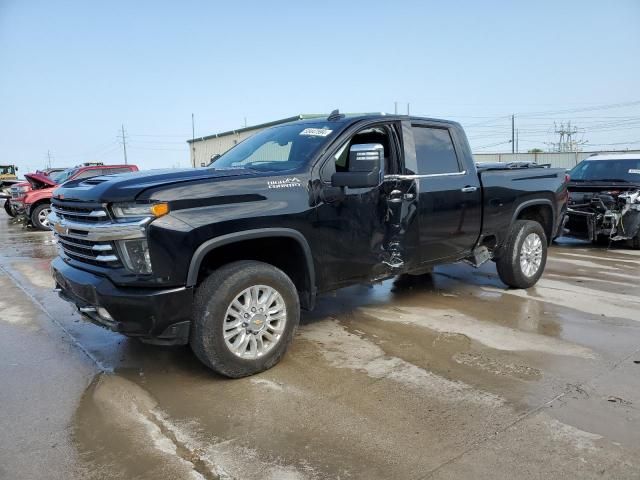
{"points": [[524, 256], [8, 208], [245, 316], [39, 216], [602, 241]]}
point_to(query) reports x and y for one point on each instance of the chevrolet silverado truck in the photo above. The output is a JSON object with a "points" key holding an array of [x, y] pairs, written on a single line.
{"points": [[604, 199], [223, 258]]}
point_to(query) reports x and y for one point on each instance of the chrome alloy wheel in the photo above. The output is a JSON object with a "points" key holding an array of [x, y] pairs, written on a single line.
{"points": [[531, 255], [42, 216], [254, 322]]}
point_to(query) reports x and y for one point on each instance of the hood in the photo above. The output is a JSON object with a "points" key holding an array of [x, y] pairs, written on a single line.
{"points": [[129, 186], [39, 180]]}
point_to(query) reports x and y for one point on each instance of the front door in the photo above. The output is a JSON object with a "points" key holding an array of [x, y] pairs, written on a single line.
{"points": [[365, 233]]}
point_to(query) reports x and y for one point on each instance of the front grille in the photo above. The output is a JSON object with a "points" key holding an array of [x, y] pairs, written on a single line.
{"points": [[75, 221], [80, 212], [96, 253]]}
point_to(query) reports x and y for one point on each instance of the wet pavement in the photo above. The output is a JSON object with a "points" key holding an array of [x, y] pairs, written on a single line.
{"points": [[449, 375]]}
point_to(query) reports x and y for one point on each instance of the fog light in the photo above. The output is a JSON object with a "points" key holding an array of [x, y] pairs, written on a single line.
{"points": [[104, 314], [135, 255]]}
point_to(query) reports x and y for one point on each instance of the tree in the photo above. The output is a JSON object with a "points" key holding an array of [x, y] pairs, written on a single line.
{"points": [[535, 150]]}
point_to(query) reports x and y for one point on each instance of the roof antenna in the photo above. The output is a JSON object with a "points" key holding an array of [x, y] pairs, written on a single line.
{"points": [[335, 115]]}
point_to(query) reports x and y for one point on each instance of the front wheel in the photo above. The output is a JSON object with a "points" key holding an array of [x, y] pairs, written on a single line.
{"points": [[39, 216], [245, 316], [8, 209], [525, 255]]}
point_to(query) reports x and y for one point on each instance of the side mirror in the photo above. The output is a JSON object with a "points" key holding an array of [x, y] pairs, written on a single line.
{"points": [[366, 167]]}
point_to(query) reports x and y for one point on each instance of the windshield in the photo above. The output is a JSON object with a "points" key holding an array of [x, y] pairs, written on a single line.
{"points": [[63, 176], [627, 170], [7, 170], [278, 149]]}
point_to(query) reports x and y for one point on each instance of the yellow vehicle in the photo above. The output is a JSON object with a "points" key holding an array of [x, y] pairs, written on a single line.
{"points": [[7, 178], [8, 172]]}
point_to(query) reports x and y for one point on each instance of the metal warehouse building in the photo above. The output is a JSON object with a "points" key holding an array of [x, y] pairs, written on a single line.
{"points": [[203, 148]]}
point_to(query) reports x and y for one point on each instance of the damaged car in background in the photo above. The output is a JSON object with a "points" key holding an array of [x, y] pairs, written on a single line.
{"points": [[604, 199]]}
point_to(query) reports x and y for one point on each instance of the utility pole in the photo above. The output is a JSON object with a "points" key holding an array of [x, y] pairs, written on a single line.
{"points": [[517, 140], [513, 134], [193, 140], [407, 109], [48, 159], [124, 145], [395, 108]]}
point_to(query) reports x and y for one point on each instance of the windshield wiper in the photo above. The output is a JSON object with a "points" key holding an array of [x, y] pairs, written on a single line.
{"points": [[612, 180]]}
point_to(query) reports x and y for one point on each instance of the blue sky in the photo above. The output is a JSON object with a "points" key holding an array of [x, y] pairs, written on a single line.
{"points": [[73, 72]]}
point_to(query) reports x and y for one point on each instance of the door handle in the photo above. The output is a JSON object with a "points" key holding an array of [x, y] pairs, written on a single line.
{"points": [[468, 189]]}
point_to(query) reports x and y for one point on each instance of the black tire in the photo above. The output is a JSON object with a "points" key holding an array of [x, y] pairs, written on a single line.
{"points": [[215, 295], [8, 209], [602, 241], [36, 215], [508, 264]]}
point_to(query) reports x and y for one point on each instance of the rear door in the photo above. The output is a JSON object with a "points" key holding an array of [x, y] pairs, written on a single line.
{"points": [[450, 198]]}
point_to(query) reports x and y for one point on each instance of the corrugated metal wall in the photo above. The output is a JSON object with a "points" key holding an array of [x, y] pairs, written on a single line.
{"points": [[205, 149], [558, 160]]}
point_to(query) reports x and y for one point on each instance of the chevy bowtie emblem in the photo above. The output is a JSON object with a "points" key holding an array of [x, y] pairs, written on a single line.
{"points": [[60, 229]]}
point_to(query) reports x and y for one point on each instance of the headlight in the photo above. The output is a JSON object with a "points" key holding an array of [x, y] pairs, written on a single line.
{"points": [[135, 255], [139, 210]]}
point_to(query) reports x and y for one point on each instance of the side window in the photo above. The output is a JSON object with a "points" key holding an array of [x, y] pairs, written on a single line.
{"points": [[339, 161], [92, 172], [434, 151]]}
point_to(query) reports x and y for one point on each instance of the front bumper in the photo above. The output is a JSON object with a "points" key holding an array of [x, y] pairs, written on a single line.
{"points": [[161, 316], [18, 207]]}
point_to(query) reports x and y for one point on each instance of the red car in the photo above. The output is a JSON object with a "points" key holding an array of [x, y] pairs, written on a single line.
{"points": [[19, 190], [35, 203]]}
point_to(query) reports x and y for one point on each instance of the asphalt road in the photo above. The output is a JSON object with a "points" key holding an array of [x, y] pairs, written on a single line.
{"points": [[445, 376]]}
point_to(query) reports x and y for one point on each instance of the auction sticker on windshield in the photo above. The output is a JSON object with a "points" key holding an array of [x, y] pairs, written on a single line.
{"points": [[316, 132], [634, 170]]}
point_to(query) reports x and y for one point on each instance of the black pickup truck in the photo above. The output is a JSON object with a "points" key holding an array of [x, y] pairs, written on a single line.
{"points": [[223, 258]]}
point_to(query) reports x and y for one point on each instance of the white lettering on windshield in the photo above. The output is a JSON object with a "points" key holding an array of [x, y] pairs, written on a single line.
{"points": [[316, 132]]}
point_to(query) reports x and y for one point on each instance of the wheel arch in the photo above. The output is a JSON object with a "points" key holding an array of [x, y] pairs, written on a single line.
{"points": [[541, 210], [307, 283]]}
